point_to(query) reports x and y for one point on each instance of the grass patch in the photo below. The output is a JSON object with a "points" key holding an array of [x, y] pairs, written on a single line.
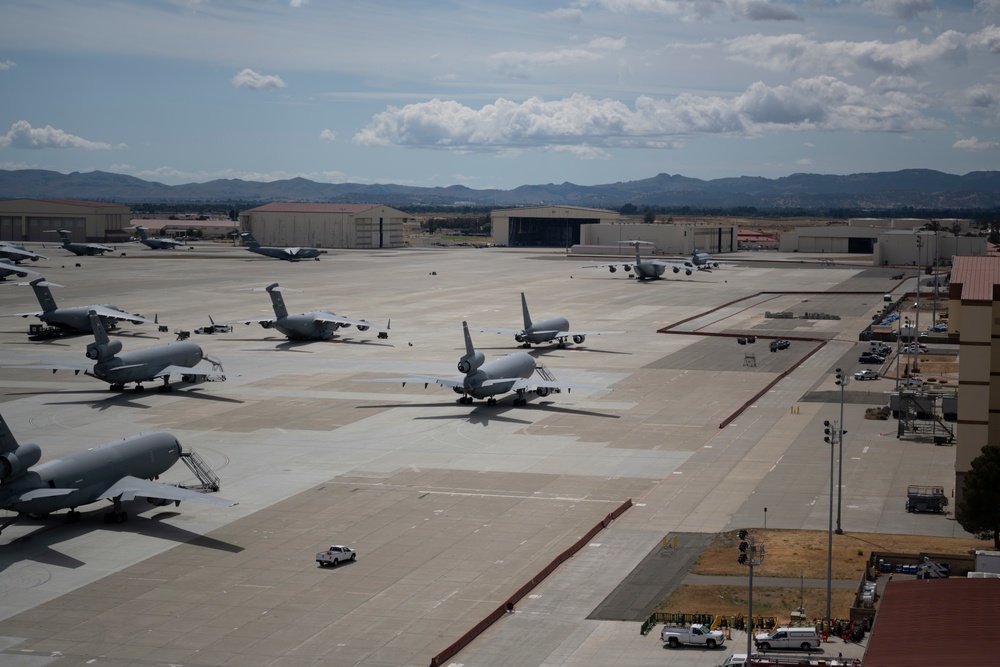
{"points": [[767, 601]]}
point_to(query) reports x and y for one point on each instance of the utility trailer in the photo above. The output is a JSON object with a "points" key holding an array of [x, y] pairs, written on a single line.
{"points": [[925, 498]]}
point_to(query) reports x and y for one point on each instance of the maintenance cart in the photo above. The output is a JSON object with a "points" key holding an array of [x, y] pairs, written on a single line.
{"points": [[925, 498]]}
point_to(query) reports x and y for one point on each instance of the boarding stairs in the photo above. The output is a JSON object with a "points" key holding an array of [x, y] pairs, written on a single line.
{"points": [[545, 374], [216, 366], [208, 480]]}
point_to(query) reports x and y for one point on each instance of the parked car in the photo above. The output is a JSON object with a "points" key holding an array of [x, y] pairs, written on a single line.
{"points": [[696, 634], [916, 347], [869, 358], [913, 382], [336, 554], [779, 344], [866, 374]]}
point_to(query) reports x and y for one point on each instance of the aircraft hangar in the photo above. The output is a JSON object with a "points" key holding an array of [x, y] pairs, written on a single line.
{"points": [[30, 219], [363, 226], [545, 226]]}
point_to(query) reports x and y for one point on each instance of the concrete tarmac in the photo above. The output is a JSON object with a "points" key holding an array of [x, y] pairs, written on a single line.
{"points": [[450, 507]]}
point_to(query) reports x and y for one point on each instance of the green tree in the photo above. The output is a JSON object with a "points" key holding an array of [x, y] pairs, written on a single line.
{"points": [[979, 510], [649, 217]]}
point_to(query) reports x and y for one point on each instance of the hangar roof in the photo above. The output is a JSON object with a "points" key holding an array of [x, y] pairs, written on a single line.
{"points": [[555, 211], [295, 207], [975, 278]]}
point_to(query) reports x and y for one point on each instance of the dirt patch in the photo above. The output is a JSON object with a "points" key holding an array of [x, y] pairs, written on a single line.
{"points": [[767, 601]]}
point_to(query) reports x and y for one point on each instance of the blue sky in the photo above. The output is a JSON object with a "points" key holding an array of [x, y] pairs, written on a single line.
{"points": [[496, 94]]}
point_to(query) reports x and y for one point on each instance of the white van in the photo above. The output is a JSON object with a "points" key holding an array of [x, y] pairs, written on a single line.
{"points": [[801, 638]]}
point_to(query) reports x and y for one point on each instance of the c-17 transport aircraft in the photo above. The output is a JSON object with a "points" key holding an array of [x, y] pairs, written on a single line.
{"points": [[487, 379], [290, 254], [9, 268], [555, 329], [80, 248], [147, 365], [653, 269], [117, 471], [16, 252], [314, 325], [156, 244], [75, 318]]}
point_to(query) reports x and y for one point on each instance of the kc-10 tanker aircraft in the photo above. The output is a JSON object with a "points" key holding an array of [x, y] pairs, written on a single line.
{"points": [[487, 379], [147, 365], [555, 329], [290, 254], [653, 269], [80, 248], [75, 318], [314, 325], [117, 471]]}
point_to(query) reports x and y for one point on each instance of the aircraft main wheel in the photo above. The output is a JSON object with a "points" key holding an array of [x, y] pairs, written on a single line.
{"points": [[73, 516], [117, 387], [139, 389]]}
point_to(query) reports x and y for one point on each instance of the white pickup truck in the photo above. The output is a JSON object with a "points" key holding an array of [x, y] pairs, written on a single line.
{"points": [[334, 555], [696, 634]]}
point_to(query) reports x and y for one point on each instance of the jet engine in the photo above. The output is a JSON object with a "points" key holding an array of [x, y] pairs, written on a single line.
{"points": [[612, 269], [677, 269], [362, 327], [159, 502], [190, 378], [519, 337], [98, 351], [267, 324], [16, 462], [542, 391], [469, 363], [627, 267], [687, 272], [579, 338]]}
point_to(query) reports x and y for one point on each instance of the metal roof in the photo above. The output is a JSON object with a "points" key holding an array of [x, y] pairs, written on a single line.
{"points": [[293, 207], [975, 278], [940, 622]]}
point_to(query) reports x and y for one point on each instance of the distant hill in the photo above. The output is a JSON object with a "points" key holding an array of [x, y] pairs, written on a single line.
{"points": [[909, 188]]}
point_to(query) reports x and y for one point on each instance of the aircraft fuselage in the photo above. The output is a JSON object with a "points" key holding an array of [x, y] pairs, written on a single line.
{"points": [[92, 472], [514, 366], [142, 365], [547, 330], [289, 254], [77, 318]]}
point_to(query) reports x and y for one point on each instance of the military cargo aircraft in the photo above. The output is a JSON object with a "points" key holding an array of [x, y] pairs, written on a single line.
{"points": [[17, 253], [80, 248], [314, 325], [147, 365], [76, 318], [555, 330], [9, 268], [118, 471], [290, 254], [653, 269], [156, 244], [487, 379]]}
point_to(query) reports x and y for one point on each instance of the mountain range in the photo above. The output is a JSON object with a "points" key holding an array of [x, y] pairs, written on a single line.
{"points": [[909, 188]]}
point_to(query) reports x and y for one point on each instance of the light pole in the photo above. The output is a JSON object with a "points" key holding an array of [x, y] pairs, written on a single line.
{"points": [[831, 429], [750, 555], [915, 338], [841, 382]]}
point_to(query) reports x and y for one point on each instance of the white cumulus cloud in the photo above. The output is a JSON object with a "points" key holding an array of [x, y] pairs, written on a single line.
{"points": [[7, 64], [974, 144], [22, 135], [328, 135], [700, 10], [252, 80], [520, 64]]}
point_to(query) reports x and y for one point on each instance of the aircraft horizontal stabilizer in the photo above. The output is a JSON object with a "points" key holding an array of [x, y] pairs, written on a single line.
{"points": [[130, 488], [52, 366], [458, 381], [531, 384], [35, 494], [347, 320]]}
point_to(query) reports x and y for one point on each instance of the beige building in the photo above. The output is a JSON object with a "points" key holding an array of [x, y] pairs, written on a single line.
{"points": [[325, 225], [671, 239], [890, 242], [546, 226], [31, 219], [975, 316]]}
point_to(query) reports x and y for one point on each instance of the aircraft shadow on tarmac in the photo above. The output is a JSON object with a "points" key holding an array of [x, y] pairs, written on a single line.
{"points": [[125, 399], [53, 530], [294, 345], [482, 413]]}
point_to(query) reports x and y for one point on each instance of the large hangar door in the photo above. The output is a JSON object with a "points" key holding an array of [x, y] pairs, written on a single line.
{"points": [[860, 246], [545, 232]]}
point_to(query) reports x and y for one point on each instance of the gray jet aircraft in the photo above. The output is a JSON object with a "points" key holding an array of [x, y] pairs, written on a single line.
{"points": [[16, 252], [9, 268], [156, 244], [653, 269], [555, 330], [290, 254], [75, 318], [81, 248], [147, 365], [487, 379], [117, 471], [315, 325]]}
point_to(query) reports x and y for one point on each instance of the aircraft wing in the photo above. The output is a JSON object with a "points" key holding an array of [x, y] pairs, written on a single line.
{"points": [[53, 366], [184, 370], [23, 254], [457, 381], [34, 314], [254, 321], [567, 334], [35, 494], [119, 315], [508, 332], [130, 488], [531, 384], [346, 320], [15, 268]]}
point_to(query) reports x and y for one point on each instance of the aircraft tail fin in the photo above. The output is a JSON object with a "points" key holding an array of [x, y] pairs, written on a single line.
{"points": [[142, 233], [471, 360], [250, 240], [524, 311], [43, 294], [8, 443], [277, 301], [100, 334], [103, 348], [470, 350]]}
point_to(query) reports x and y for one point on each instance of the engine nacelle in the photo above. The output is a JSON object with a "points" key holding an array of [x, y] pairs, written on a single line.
{"points": [[542, 391], [458, 390], [687, 272], [467, 364], [159, 502], [677, 269], [519, 337], [16, 462], [267, 324], [190, 378], [627, 267], [579, 338], [98, 351], [362, 327], [612, 269]]}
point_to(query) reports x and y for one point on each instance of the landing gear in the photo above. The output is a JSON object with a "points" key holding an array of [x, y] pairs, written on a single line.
{"points": [[491, 401], [73, 516], [139, 389], [528, 345], [116, 515], [520, 400], [465, 400], [117, 387], [165, 387]]}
